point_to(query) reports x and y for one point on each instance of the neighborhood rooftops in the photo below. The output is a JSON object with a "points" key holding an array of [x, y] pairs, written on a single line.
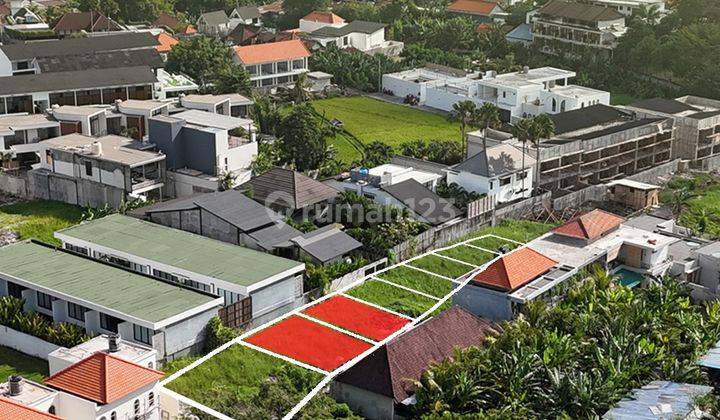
{"points": [[590, 226], [664, 105], [102, 60], [248, 12], [83, 79], [578, 119], [496, 161], [86, 21], [289, 189], [327, 243], [271, 52], [103, 378], [148, 302], [324, 17], [178, 249], [356, 26], [659, 400], [392, 369], [475, 7], [218, 17], [582, 12], [514, 270], [423, 202], [78, 46], [210, 119], [113, 148], [10, 409]]}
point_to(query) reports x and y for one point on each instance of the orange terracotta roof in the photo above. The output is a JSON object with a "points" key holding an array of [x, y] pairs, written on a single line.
{"points": [[11, 409], [483, 27], [103, 378], [275, 7], [324, 17], [273, 51], [590, 225], [478, 7], [166, 42], [515, 269], [189, 30]]}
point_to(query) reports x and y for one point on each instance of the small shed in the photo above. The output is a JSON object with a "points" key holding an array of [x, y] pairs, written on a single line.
{"points": [[635, 194]]}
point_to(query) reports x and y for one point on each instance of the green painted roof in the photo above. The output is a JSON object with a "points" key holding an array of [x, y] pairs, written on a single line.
{"points": [[177, 248], [100, 284]]}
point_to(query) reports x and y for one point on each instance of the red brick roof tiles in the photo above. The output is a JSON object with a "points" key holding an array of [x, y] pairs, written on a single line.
{"points": [[103, 378], [591, 225], [10, 409], [271, 52], [477, 7], [325, 17], [514, 269]]}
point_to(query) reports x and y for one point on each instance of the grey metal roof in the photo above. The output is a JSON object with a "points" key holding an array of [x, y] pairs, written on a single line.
{"points": [[423, 202], [111, 59], [289, 189], [521, 33], [664, 105], [78, 46], [659, 400], [83, 79], [357, 26], [618, 128], [580, 11], [218, 17], [710, 249], [496, 161], [248, 12], [703, 115], [327, 243], [277, 235], [577, 119], [645, 222]]}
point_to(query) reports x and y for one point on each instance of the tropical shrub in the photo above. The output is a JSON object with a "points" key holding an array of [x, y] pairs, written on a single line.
{"points": [[319, 276], [32, 323], [216, 334]]}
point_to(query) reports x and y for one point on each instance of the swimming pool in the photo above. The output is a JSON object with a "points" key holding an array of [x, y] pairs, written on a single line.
{"points": [[628, 278]]}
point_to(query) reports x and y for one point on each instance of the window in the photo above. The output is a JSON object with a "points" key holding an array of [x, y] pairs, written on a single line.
{"points": [[88, 168], [137, 407], [76, 311], [151, 399], [283, 66], [504, 94], [51, 410], [15, 290], [44, 300], [109, 323], [229, 296], [298, 64], [142, 334], [346, 41], [76, 249], [113, 416], [504, 181], [521, 175], [491, 184], [165, 276]]}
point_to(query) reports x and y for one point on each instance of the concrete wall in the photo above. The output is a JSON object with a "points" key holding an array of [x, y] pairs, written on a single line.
{"points": [[186, 337], [575, 199], [356, 275], [25, 343], [368, 404], [14, 185], [184, 146], [483, 302]]}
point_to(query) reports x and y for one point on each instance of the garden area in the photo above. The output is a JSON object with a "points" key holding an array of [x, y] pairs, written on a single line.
{"points": [[369, 120], [695, 201], [15, 363], [38, 219]]}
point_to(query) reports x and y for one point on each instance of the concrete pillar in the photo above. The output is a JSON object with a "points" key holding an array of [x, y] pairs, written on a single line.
{"points": [[92, 323], [29, 296], [59, 310], [3, 288]]}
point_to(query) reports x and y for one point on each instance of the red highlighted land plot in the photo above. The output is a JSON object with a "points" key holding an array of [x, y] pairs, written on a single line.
{"points": [[309, 342], [357, 317]]}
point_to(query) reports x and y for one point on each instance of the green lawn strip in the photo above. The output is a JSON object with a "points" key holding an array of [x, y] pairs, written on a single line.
{"points": [[173, 366], [518, 230], [39, 219], [346, 151], [237, 369], [620, 98], [15, 363], [442, 266], [371, 119], [391, 297], [468, 254], [417, 280], [492, 243]]}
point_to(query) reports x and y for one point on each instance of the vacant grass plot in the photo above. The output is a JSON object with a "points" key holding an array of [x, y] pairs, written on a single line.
{"points": [[492, 243], [519, 230], [417, 280], [370, 120], [468, 254], [39, 219], [442, 266], [393, 298], [234, 376], [15, 363]]}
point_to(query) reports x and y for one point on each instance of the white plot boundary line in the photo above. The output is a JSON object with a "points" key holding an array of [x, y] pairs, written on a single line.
{"points": [[456, 260], [336, 328], [400, 286], [480, 248], [282, 357], [341, 292], [422, 270]]}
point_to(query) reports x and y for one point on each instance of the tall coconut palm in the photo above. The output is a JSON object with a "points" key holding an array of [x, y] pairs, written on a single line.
{"points": [[542, 127], [521, 130], [680, 198], [463, 112], [487, 116]]}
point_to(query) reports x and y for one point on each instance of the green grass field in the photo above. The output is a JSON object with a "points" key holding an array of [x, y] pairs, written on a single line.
{"points": [[519, 230], [619, 98], [39, 219], [417, 280], [468, 254], [238, 368], [393, 298], [492, 243], [15, 363], [371, 119], [442, 266], [700, 212]]}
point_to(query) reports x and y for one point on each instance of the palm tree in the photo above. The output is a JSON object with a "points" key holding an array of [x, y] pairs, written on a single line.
{"points": [[542, 127], [464, 113], [680, 198], [227, 180], [487, 116], [299, 93], [521, 130]]}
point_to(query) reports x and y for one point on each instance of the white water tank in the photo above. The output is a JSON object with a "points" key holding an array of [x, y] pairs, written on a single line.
{"points": [[96, 148]]}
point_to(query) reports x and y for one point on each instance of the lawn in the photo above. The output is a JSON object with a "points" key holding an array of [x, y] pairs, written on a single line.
{"points": [[468, 254], [237, 369], [492, 243], [619, 98], [39, 219], [393, 298], [700, 211], [442, 266], [371, 119], [518, 230], [417, 280], [15, 363]]}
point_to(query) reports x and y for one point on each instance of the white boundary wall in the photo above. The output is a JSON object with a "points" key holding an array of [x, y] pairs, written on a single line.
{"points": [[26, 343]]}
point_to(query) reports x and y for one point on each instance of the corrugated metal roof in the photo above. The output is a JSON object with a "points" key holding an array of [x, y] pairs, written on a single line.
{"points": [[659, 400], [97, 283], [177, 248]]}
